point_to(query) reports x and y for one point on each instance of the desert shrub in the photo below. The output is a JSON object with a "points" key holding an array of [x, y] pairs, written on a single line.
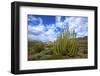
{"points": [[44, 54], [38, 46], [36, 56], [31, 50], [45, 57]]}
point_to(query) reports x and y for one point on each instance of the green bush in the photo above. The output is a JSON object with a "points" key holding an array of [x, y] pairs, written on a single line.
{"points": [[45, 57], [36, 46]]}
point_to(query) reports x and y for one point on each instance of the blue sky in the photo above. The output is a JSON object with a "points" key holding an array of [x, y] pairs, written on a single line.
{"points": [[45, 27]]}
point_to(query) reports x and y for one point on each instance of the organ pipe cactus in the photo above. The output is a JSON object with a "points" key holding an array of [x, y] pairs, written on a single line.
{"points": [[73, 50], [65, 44]]}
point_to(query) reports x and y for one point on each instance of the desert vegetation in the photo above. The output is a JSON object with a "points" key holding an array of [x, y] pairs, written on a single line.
{"points": [[66, 46]]}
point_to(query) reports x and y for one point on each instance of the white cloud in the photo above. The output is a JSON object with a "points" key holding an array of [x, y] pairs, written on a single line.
{"points": [[58, 22], [50, 34], [42, 34], [58, 18], [34, 29], [40, 20], [32, 18], [82, 34], [39, 33], [78, 28], [78, 24]]}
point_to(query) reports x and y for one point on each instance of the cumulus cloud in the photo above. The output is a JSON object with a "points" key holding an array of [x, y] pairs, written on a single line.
{"points": [[79, 24], [37, 30]]}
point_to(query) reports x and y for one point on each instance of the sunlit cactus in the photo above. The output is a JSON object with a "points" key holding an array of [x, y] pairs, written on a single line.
{"points": [[66, 44], [73, 50]]}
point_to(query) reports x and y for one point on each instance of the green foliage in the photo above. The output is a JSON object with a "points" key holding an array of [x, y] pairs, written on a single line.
{"points": [[45, 57], [36, 46], [73, 50], [65, 45]]}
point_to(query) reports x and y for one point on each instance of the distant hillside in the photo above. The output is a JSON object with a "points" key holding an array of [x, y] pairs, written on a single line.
{"points": [[82, 41], [83, 38], [83, 45]]}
